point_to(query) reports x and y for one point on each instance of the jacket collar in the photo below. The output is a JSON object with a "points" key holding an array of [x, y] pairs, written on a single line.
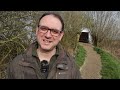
{"points": [[31, 51]]}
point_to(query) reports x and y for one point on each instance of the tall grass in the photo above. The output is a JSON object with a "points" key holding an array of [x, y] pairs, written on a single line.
{"points": [[110, 65], [80, 55]]}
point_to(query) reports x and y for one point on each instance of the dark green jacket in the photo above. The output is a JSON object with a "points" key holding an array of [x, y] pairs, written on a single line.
{"points": [[25, 66]]}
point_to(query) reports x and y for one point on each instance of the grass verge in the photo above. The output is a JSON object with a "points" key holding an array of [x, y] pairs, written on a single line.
{"points": [[80, 55], [110, 65]]}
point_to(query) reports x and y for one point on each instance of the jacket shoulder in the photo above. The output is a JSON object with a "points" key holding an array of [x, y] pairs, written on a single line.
{"points": [[16, 60], [71, 58], [14, 64]]}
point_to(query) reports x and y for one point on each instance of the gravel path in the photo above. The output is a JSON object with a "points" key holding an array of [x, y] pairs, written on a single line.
{"points": [[92, 65]]}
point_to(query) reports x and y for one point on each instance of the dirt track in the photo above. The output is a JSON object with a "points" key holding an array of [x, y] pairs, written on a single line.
{"points": [[92, 65]]}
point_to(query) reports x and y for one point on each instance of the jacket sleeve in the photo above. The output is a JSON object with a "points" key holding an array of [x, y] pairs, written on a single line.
{"points": [[9, 74], [13, 69], [76, 72]]}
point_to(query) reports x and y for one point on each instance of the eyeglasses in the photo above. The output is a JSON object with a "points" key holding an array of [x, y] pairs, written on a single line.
{"points": [[44, 29]]}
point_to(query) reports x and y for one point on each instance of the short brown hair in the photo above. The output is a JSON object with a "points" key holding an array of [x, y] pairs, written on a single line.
{"points": [[54, 14]]}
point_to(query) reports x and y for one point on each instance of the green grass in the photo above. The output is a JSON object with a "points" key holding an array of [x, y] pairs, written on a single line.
{"points": [[80, 55], [110, 65]]}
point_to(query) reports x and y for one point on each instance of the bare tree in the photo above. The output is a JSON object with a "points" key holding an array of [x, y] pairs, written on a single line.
{"points": [[103, 24], [73, 24]]}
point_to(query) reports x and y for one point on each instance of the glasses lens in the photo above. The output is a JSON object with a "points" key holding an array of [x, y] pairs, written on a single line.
{"points": [[43, 29], [55, 32]]}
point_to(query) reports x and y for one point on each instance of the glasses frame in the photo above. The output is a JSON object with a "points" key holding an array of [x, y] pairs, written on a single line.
{"points": [[51, 30]]}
